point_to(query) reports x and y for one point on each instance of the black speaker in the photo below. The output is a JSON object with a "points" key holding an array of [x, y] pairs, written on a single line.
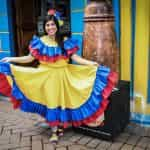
{"points": [[117, 114]]}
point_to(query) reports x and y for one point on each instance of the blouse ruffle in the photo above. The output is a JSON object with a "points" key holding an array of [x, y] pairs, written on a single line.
{"points": [[44, 52]]}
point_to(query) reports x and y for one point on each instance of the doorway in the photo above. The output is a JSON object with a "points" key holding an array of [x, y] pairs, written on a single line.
{"points": [[25, 15]]}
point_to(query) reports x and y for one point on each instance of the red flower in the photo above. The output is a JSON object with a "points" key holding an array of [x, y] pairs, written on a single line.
{"points": [[51, 11]]}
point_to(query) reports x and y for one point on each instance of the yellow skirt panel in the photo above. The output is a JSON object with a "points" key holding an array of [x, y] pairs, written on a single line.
{"points": [[56, 84]]}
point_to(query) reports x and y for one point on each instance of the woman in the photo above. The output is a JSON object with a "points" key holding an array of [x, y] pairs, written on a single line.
{"points": [[60, 92]]}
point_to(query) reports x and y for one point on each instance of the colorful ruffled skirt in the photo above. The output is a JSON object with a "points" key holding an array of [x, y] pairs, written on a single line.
{"points": [[60, 92]]}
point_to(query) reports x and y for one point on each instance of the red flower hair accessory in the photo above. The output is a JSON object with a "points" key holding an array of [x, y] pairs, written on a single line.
{"points": [[57, 15], [51, 12]]}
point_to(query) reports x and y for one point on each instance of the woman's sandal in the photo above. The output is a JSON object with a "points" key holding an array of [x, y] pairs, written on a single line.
{"points": [[60, 131], [54, 138]]}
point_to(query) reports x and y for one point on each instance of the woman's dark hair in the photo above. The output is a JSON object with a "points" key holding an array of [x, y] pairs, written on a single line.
{"points": [[59, 37]]}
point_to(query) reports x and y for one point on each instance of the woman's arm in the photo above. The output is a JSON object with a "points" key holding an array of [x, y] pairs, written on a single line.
{"points": [[24, 59], [83, 61]]}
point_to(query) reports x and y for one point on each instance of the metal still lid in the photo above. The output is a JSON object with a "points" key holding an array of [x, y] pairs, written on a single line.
{"points": [[98, 11]]}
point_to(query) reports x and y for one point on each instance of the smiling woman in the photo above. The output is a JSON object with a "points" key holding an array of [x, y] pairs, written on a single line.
{"points": [[62, 93], [50, 28]]}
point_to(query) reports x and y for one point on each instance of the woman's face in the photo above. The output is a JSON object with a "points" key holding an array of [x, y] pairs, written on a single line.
{"points": [[50, 28]]}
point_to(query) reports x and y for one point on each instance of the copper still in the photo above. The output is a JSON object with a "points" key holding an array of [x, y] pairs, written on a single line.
{"points": [[99, 38]]}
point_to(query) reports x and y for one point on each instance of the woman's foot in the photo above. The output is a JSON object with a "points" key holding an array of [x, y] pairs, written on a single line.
{"points": [[54, 138], [60, 131]]}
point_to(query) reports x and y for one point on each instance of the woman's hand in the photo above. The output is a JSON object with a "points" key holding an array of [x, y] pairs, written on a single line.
{"points": [[24, 59], [83, 61], [94, 63], [7, 59]]}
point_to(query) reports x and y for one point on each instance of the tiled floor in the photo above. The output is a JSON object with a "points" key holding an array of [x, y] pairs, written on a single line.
{"points": [[17, 132]]}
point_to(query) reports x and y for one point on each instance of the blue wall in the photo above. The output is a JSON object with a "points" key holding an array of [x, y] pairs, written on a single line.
{"points": [[77, 24], [6, 43]]}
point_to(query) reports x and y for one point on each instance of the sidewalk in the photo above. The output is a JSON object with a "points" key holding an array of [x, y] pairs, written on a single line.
{"points": [[17, 132]]}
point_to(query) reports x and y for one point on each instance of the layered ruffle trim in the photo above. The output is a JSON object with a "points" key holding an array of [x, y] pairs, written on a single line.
{"points": [[95, 105], [43, 52], [6, 90]]}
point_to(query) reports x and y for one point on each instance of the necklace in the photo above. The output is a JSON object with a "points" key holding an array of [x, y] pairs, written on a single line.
{"points": [[52, 38]]}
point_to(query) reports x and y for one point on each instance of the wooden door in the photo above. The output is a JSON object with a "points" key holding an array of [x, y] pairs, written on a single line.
{"points": [[25, 24]]}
